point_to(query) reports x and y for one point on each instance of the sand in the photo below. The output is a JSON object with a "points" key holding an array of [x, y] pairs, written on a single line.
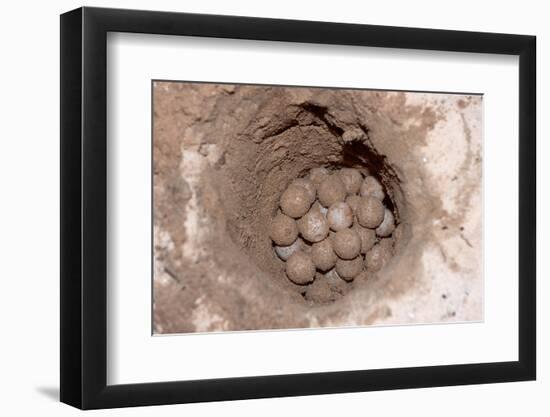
{"points": [[223, 154]]}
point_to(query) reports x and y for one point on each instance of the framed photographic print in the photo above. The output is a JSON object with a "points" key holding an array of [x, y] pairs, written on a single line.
{"points": [[257, 208]]}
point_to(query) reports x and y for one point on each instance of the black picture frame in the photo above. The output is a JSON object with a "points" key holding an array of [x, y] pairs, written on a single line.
{"points": [[84, 207]]}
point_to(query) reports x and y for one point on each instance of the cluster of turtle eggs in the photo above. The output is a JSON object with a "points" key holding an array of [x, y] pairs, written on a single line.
{"points": [[334, 222]]}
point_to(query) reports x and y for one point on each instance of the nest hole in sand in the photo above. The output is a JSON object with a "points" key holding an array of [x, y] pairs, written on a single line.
{"points": [[265, 158]]}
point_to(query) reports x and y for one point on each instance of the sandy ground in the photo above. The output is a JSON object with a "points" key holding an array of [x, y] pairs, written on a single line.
{"points": [[222, 156]]}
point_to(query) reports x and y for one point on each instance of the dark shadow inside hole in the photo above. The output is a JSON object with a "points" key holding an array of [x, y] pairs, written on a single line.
{"points": [[358, 154], [321, 113]]}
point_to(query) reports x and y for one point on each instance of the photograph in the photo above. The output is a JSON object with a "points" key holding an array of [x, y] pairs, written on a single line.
{"points": [[297, 207], [264, 207], [275, 209]]}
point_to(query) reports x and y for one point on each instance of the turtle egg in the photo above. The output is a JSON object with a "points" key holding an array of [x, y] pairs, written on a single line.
{"points": [[370, 212], [283, 230], [318, 175], [372, 188], [339, 216], [300, 268], [318, 206], [353, 202], [367, 236], [352, 179], [308, 185], [349, 269], [284, 252], [346, 243], [323, 255], [313, 226], [331, 190], [296, 201], [387, 226]]}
